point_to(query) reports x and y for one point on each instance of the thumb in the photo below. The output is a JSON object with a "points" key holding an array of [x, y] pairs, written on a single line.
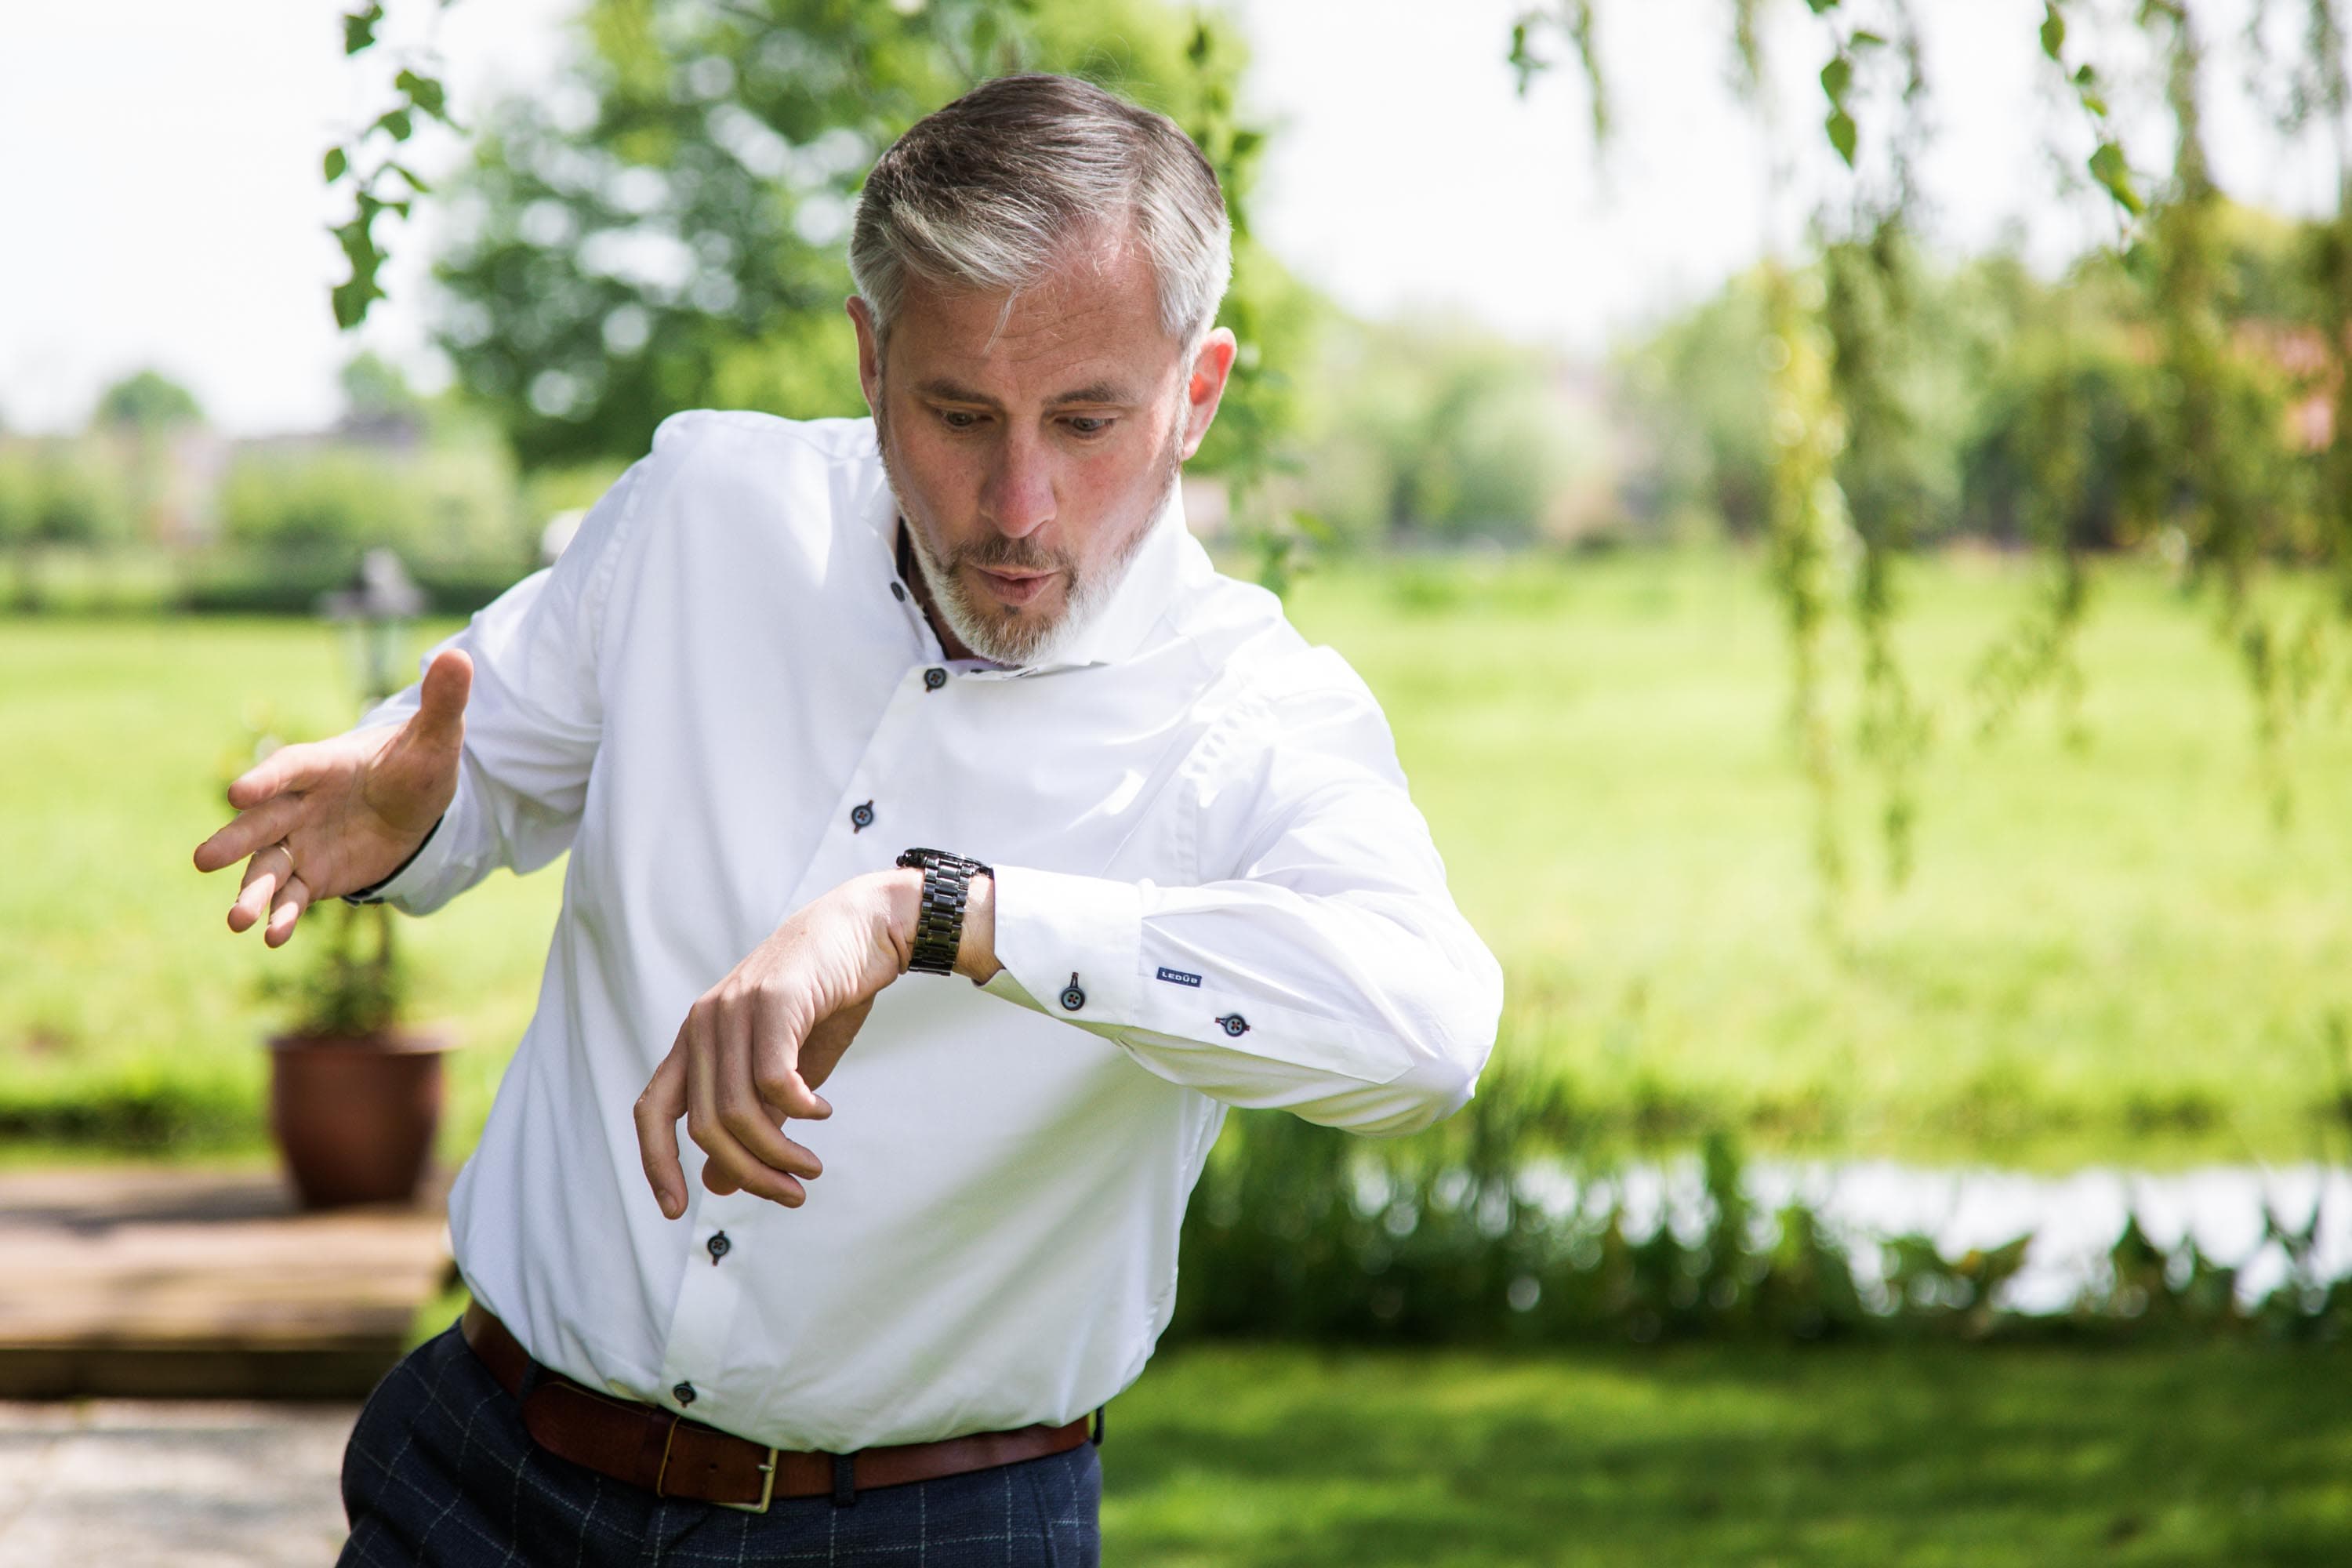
{"points": [[829, 1042], [440, 716], [417, 772]]}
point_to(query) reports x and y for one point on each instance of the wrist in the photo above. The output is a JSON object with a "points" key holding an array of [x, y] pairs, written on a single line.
{"points": [[367, 895], [900, 901]]}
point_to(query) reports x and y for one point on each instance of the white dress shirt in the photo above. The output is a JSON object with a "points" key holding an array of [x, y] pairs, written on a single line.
{"points": [[1211, 889]]}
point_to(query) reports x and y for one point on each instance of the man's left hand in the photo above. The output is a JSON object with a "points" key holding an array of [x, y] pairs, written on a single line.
{"points": [[755, 1049], [761, 1042]]}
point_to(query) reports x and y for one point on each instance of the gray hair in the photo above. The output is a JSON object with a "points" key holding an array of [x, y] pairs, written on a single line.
{"points": [[989, 190]]}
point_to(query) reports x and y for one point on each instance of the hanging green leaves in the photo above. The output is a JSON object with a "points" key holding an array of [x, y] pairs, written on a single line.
{"points": [[2105, 163], [1574, 20], [364, 161], [1808, 527]]}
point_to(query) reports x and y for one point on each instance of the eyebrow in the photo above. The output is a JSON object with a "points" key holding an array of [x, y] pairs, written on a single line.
{"points": [[1099, 392]]}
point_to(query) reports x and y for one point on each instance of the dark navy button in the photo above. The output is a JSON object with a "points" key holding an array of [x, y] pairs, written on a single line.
{"points": [[718, 1245], [934, 678], [1235, 1025], [861, 817], [1071, 997], [683, 1394], [899, 591]]}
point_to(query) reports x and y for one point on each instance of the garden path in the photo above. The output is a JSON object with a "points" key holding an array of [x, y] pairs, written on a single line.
{"points": [[172, 1281]]}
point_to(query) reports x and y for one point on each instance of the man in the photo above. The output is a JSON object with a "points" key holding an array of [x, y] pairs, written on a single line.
{"points": [[824, 712]]}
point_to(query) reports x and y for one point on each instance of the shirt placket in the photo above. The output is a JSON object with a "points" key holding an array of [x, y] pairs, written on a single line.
{"points": [[731, 1232]]}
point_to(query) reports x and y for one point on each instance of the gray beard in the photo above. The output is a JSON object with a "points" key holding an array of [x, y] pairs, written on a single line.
{"points": [[1008, 634]]}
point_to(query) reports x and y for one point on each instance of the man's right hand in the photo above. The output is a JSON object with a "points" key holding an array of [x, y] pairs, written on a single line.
{"points": [[323, 819]]}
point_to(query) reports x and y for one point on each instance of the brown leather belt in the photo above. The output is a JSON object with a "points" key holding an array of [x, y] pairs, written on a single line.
{"points": [[671, 1456]]}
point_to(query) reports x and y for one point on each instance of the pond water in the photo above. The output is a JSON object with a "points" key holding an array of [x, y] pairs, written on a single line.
{"points": [[2075, 1218]]}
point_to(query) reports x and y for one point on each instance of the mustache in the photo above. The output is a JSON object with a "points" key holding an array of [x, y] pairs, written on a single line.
{"points": [[1009, 555]]}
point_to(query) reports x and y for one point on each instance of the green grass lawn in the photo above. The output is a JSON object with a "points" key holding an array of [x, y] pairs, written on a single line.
{"points": [[1970, 1457], [2107, 950]]}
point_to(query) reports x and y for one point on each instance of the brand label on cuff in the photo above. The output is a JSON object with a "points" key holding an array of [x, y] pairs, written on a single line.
{"points": [[1178, 977]]}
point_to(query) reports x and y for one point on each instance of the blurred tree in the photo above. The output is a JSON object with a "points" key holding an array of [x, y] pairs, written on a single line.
{"points": [[138, 421], [315, 511], [1433, 427], [68, 492], [1701, 387], [668, 228], [1698, 386], [148, 402], [377, 396], [2066, 447]]}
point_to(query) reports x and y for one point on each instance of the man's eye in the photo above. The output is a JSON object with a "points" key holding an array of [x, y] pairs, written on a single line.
{"points": [[959, 418], [1089, 424]]}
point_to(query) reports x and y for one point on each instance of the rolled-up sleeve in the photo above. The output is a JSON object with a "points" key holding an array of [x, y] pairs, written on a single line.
{"points": [[1324, 969], [533, 719]]}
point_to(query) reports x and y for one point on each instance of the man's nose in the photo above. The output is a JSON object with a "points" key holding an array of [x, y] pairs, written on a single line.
{"points": [[1017, 497]]}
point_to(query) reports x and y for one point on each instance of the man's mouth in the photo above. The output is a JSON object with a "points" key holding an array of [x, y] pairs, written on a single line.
{"points": [[1015, 587]]}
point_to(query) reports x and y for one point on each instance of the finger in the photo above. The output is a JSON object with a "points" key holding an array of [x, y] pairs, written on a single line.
{"points": [[800, 1151], [776, 1064], [255, 828], [262, 875], [294, 767], [293, 899], [700, 1101], [743, 1106], [727, 1166], [658, 1110]]}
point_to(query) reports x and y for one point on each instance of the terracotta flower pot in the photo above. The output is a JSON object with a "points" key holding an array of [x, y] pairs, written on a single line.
{"points": [[354, 1117]]}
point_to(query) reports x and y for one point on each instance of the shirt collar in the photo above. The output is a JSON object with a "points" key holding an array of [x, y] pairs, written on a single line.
{"points": [[1119, 626]]}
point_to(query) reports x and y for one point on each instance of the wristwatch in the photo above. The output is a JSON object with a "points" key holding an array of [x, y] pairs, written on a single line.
{"points": [[939, 924]]}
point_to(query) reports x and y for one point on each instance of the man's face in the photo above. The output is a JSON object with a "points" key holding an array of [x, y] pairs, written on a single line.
{"points": [[1029, 451]]}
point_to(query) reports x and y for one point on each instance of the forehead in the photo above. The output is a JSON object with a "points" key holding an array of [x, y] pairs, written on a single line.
{"points": [[1095, 317]]}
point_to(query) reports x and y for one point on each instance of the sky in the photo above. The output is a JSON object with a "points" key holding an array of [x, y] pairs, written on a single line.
{"points": [[161, 201]]}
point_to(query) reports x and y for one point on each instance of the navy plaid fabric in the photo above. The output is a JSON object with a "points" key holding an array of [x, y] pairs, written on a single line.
{"points": [[439, 1470]]}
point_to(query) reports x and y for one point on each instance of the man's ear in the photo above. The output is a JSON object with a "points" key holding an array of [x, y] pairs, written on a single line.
{"points": [[869, 354], [1212, 365]]}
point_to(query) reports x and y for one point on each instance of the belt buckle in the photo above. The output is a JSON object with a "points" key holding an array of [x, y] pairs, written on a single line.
{"points": [[767, 1474], [767, 1488]]}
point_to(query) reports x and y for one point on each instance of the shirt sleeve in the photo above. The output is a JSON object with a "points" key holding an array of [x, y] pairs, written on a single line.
{"points": [[533, 719], [1325, 970]]}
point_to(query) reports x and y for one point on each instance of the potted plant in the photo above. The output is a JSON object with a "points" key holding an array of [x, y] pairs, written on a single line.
{"points": [[354, 1097]]}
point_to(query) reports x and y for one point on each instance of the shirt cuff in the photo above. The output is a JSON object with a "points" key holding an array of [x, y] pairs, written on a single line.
{"points": [[1070, 946], [1064, 939]]}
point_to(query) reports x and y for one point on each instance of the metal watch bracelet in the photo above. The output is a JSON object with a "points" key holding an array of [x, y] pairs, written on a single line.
{"points": [[938, 920]]}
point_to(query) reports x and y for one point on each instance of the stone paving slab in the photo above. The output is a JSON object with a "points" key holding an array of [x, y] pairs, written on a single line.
{"points": [[170, 1484]]}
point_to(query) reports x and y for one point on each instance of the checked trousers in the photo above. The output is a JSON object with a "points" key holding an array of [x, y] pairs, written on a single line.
{"points": [[439, 1470]]}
